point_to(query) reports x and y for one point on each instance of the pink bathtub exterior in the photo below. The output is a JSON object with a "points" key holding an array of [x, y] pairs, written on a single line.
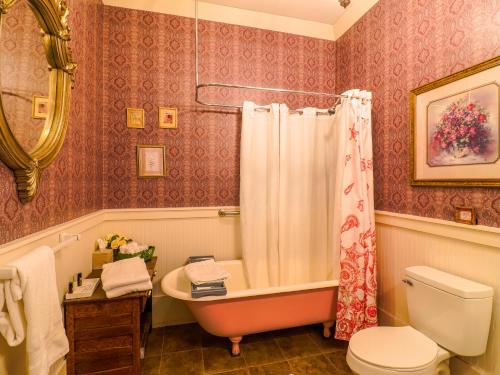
{"points": [[244, 316], [246, 311]]}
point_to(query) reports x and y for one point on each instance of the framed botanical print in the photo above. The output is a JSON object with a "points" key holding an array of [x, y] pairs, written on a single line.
{"points": [[455, 129], [135, 118], [40, 107], [168, 118], [151, 161]]}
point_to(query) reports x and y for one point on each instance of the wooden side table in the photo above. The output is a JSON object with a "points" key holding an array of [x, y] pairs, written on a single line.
{"points": [[107, 336]]}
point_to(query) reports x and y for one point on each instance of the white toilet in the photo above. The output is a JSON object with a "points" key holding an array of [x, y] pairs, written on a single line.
{"points": [[449, 316]]}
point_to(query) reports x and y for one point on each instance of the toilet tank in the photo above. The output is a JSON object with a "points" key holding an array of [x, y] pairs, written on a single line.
{"points": [[452, 311]]}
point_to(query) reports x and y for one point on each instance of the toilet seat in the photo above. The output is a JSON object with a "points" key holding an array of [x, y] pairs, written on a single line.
{"points": [[392, 350]]}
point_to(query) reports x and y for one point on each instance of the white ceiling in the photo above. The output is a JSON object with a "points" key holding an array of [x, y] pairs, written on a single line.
{"points": [[324, 11], [324, 19]]}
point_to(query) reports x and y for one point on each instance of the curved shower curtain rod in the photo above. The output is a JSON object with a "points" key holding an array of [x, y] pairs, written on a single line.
{"points": [[254, 88]]}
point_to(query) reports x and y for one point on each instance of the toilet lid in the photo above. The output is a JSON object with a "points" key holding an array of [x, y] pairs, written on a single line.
{"points": [[393, 347]]}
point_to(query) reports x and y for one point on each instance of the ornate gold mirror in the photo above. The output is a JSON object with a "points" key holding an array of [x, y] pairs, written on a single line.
{"points": [[36, 73]]}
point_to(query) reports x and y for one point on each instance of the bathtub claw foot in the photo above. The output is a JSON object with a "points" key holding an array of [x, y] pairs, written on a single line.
{"points": [[327, 333], [235, 350]]}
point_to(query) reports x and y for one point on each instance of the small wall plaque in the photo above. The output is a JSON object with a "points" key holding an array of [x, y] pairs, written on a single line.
{"points": [[465, 215]]}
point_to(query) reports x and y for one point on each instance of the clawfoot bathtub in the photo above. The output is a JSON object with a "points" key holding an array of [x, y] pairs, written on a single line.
{"points": [[245, 311]]}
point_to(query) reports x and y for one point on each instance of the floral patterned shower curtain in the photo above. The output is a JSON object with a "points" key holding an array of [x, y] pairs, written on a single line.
{"points": [[356, 306]]}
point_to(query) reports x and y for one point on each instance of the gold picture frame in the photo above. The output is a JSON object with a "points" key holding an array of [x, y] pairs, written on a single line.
{"points": [[135, 118], [40, 108], [444, 149], [151, 161], [167, 118]]}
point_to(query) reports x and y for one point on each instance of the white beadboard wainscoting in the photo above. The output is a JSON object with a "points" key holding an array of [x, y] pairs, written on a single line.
{"points": [[472, 252], [76, 257], [403, 240], [177, 234]]}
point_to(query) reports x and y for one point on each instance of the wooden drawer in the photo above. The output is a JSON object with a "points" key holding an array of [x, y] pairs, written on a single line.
{"points": [[103, 321], [110, 308], [93, 362], [98, 333], [106, 342]]}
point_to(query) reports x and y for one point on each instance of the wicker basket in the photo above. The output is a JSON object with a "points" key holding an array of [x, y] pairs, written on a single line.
{"points": [[145, 254]]}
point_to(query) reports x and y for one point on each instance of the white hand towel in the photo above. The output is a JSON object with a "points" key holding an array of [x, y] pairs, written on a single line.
{"points": [[205, 271], [12, 324], [35, 286], [138, 287], [124, 272]]}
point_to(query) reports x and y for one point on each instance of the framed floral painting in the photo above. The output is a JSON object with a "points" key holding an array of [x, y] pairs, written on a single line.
{"points": [[455, 129]]}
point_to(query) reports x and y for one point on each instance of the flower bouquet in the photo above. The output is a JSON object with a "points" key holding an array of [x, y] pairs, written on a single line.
{"points": [[124, 247], [462, 130]]}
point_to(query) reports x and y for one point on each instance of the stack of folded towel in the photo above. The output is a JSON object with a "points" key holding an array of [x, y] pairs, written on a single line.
{"points": [[125, 276], [206, 276], [206, 271]]}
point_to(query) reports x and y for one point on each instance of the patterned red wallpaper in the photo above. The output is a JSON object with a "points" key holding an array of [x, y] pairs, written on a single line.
{"points": [[398, 46], [72, 186], [149, 62], [146, 60]]}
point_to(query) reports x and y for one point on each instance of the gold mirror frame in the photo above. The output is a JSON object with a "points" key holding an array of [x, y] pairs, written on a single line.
{"points": [[52, 16]]}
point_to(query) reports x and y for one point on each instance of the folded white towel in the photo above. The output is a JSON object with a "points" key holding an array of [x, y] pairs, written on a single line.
{"points": [[138, 287], [124, 272], [205, 271], [35, 286]]}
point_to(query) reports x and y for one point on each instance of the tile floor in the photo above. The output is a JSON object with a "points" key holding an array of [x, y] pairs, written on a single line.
{"points": [[189, 350]]}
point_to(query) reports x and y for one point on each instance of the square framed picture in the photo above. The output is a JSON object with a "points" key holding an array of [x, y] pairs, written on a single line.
{"points": [[135, 118], [465, 215], [40, 107], [455, 129], [168, 118], [151, 161]]}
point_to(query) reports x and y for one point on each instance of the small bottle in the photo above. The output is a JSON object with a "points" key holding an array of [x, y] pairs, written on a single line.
{"points": [[70, 287], [79, 279]]}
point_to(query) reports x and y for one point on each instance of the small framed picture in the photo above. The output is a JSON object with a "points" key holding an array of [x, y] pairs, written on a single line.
{"points": [[135, 118], [168, 118], [151, 161], [40, 107], [465, 215]]}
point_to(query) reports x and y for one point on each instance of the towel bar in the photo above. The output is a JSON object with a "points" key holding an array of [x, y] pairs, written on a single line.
{"points": [[224, 213], [8, 272]]}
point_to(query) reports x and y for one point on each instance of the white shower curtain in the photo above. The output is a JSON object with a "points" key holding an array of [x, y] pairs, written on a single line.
{"points": [[287, 196], [306, 200], [308, 144], [259, 194]]}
